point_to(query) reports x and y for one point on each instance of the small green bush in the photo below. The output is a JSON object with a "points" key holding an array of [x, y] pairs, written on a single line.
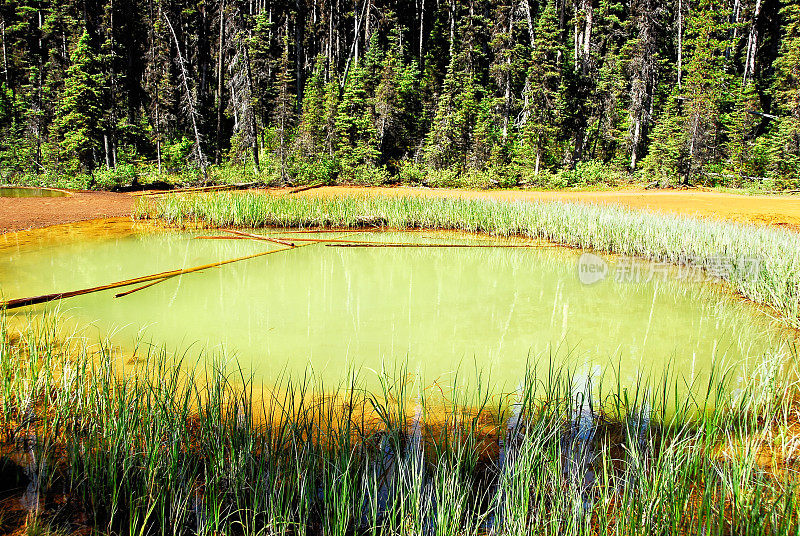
{"points": [[365, 175], [320, 171], [589, 173], [412, 174], [115, 178], [177, 155]]}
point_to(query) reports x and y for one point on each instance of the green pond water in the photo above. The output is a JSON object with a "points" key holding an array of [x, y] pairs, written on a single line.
{"points": [[13, 191], [437, 311]]}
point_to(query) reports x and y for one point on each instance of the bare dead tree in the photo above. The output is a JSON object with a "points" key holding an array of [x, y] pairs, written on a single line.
{"points": [[190, 103], [245, 122], [752, 45]]}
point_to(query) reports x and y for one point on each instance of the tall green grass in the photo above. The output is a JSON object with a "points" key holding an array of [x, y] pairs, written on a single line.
{"points": [[160, 447], [722, 248]]}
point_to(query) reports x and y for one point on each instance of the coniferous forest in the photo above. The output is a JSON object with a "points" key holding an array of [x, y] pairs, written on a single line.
{"points": [[104, 93]]}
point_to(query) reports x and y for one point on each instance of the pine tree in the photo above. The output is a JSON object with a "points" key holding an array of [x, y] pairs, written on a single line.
{"points": [[706, 82], [79, 115], [488, 146], [740, 127], [310, 138], [542, 94], [450, 137], [609, 97], [785, 135], [331, 112], [397, 104], [639, 54], [356, 130], [283, 113]]}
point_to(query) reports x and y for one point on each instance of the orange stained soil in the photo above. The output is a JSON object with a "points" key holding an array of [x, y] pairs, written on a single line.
{"points": [[21, 213], [760, 209], [18, 214]]}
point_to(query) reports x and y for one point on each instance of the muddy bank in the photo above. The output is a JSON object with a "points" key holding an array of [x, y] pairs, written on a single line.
{"points": [[21, 213]]}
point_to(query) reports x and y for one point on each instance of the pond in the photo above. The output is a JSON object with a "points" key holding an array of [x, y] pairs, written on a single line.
{"points": [[14, 191], [444, 313]]}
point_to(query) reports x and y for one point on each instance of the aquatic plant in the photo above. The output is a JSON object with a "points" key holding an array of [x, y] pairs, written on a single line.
{"points": [[164, 447], [761, 263]]}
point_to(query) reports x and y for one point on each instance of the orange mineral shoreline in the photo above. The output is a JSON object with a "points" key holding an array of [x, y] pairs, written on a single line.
{"points": [[18, 214]]}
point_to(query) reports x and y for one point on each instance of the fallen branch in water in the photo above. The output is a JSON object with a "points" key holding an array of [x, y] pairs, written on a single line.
{"points": [[281, 241], [371, 244], [402, 245], [22, 302], [221, 237], [349, 231], [137, 289]]}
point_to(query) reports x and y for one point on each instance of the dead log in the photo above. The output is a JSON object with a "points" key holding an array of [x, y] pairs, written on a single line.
{"points": [[304, 188], [197, 189], [281, 241], [137, 289], [402, 245], [366, 243], [22, 302]]}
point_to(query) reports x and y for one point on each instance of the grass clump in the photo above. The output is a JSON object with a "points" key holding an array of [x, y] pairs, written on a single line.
{"points": [[160, 448], [760, 263]]}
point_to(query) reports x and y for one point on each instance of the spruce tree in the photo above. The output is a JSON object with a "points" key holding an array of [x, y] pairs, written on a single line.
{"points": [[785, 135], [309, 142], [79, 115], [283, 113], [706, 84], [356, 132], [740, 128], [542, 94]]}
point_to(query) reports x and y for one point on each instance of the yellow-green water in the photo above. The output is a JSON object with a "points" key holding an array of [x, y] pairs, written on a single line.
{"points": [[12, 191], [333, 309]]}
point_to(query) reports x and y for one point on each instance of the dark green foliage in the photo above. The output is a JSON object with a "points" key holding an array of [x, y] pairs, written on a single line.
{"points": [[80, 114], [483, 92], [784, 136]]}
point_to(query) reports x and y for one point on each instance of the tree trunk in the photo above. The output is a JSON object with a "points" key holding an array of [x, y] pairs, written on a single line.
{"points": [[680, 42], [353, 56], [366, 25], [251, 113], [107, 152], [158, 141], [5, 60], [421, 31], [752, 45], [529, 18], [189, 101], [220, 79], [637, 128], [357, 27], [507, 94], [299, 36]]}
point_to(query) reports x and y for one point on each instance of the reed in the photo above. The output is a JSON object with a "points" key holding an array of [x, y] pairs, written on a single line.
{"points": [[168, 446], [760, 263]]}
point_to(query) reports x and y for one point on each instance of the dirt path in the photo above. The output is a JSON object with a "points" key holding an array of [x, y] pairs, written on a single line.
{"points": [[28, 213]]}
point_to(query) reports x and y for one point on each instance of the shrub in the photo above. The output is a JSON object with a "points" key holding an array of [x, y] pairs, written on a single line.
{"points": [[366, 175], [320, 171], [412, 174], [112, 179]]}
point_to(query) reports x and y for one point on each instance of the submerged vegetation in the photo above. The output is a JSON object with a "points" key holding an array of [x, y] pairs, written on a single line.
{"points": [[154, 447], [760, 263]]}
